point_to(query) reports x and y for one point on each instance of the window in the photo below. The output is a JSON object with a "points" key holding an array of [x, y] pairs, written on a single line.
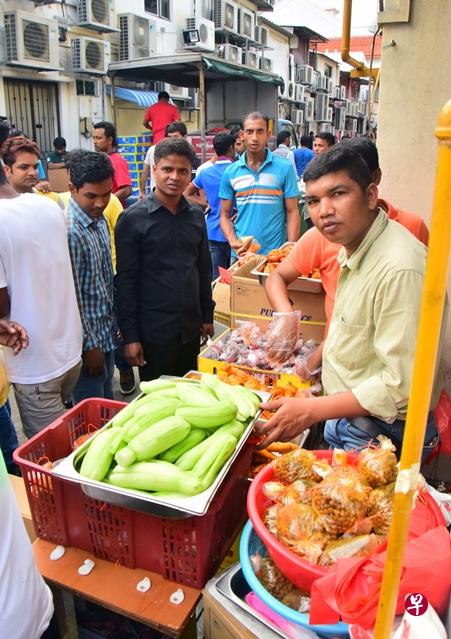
{"points": [[327, 70], [87, 87], [160, 8]]}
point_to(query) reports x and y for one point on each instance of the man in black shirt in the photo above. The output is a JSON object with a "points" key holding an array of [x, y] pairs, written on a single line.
{"points": [[163, 275]]}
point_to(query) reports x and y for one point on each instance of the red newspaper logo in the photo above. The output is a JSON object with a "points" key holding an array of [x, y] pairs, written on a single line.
{"points": [[416, 604]]}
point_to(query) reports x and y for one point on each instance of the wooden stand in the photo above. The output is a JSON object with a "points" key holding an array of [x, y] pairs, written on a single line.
{"points": [[114, 587]]}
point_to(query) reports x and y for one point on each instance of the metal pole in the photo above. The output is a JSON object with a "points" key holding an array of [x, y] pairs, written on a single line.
{"points": [[202, 111], [434, 290]]}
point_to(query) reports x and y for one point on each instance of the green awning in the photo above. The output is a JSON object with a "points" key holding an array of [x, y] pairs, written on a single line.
{"points": [[222, 67]]}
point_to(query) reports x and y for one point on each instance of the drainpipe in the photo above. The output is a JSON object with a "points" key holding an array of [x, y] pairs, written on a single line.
{"points": [[360, 69]]}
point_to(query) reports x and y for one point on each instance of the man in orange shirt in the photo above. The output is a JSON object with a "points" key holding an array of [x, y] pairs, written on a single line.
{"points": [[314, 252], [160, 115]]}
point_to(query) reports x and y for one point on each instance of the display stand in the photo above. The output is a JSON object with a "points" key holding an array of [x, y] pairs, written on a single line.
{"points": [[114, 587]]}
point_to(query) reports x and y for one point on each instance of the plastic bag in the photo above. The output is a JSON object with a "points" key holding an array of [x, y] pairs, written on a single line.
{"points": [[282, 336], [299, 464], [380, 508], [271, 577], [352, 586], [377, 465], [341, 498], [294, 631], [426, 626]]}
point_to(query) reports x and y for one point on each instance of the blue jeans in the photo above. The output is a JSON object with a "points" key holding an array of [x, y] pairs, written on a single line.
{"points": [[220, 256], [343, 433], [8, 435], [96, 385]]}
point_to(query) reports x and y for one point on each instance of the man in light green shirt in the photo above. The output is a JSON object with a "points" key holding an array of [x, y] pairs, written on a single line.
{"points": [[367, 357]]}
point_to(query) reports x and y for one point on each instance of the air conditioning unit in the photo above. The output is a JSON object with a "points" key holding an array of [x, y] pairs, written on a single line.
{"points": [[349, 108], [225, 15], [246, 23], [321, 82], [95, 14], [291, 67], [31, 41], [342, 92], [340, 118], [261, 35], [330, 114], [362, 107], [90, 56], [306, 74], [329, 85], [321, 107], [297, 117], [288, 93], [362, 125], [326, 127], [134, 39], [309, 112], [336, 93], [205, 29], [179, 93], [299, 92], [230, 52], [250, 59], [265, 64]]}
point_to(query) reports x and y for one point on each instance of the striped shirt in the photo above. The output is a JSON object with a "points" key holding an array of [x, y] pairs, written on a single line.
{"points": [[90, 252], [260, 198]]}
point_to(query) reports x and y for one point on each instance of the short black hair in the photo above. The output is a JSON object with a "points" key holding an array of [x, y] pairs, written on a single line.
{"points": [[282, 136], [365, 147], [340, 158], [174, 146], [327, 137], [222, 143], [3, 178], [110, 131], [256, 115], [177, 127], [305, 140], [88, 167], [4, 131], [163, 95], [59, 143]]}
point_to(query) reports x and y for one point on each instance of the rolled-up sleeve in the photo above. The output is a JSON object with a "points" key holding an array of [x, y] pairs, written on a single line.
{"points": [[385, 393]]}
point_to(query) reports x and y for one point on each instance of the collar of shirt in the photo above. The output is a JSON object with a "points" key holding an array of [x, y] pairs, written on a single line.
{"points": [[223, 159], [80, 216], [267, 160], [353, 261], [154, 204]]}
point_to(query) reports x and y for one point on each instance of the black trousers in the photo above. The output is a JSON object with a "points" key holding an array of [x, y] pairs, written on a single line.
{"points": [[169, 359]]}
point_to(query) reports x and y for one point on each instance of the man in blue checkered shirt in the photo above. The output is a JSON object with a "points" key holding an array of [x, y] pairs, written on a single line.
{"points": [[91, 178]]}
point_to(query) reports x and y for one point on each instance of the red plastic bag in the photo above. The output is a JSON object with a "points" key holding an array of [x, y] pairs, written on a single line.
{"points": [[442, 414], [351, 589]]}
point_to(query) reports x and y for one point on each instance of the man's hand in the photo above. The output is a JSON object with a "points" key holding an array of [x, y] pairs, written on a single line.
{"points": [[13, 335], [43, 186], [282, 336], [293, 416], [93, 361], [207, 330], [134, 354]]}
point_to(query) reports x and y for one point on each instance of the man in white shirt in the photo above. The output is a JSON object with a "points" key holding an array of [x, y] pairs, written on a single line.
{"points": [[37, 289]]}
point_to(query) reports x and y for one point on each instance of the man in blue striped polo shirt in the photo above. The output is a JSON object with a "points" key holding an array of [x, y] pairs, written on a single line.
{"points": [[91, 181], [265, 189]]}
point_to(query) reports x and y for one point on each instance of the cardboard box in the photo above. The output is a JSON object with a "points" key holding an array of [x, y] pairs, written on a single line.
{"points": [[222, 618], [59, 180], [249, 302], [22, 501]]}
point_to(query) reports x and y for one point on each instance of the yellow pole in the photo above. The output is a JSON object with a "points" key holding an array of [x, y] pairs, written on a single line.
{"points": [[434, 290]]}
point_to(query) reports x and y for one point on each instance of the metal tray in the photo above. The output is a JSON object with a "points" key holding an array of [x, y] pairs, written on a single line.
{"points": [[234, 587], [304, 284], [141, 500]]}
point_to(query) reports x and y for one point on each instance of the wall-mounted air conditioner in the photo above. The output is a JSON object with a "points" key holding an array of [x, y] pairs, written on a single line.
{"points": [[176, 92], [299, 92], [340, 118], [329, 85], [336, 92], [291, 68], [362, 107], [206, 31], [297, 117], [309, 111], [349, 108], [321, 107], [288, 92], [326, 127], [90, 56], [135, 36], [321, 82], [305, 74], [261, 35], [342, 92], [225, 15], [31, 41], [265, 64], [95, 14], [330, 114], [246, 23], [230, 52], [250, 59]]}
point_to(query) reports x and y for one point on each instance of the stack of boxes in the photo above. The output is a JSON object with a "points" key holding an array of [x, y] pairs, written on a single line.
{"points": [[133, 149]]}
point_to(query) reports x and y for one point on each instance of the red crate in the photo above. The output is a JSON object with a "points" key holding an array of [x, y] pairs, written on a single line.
{"points": [[188, 550]]}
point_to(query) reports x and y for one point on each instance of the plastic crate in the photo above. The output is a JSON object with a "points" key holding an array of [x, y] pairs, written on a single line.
{"points": [[187, 551]]}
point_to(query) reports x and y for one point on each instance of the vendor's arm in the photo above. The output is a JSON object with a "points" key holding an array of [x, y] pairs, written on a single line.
{"points": [[227, 226], [292, 219], [294, 415]]}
